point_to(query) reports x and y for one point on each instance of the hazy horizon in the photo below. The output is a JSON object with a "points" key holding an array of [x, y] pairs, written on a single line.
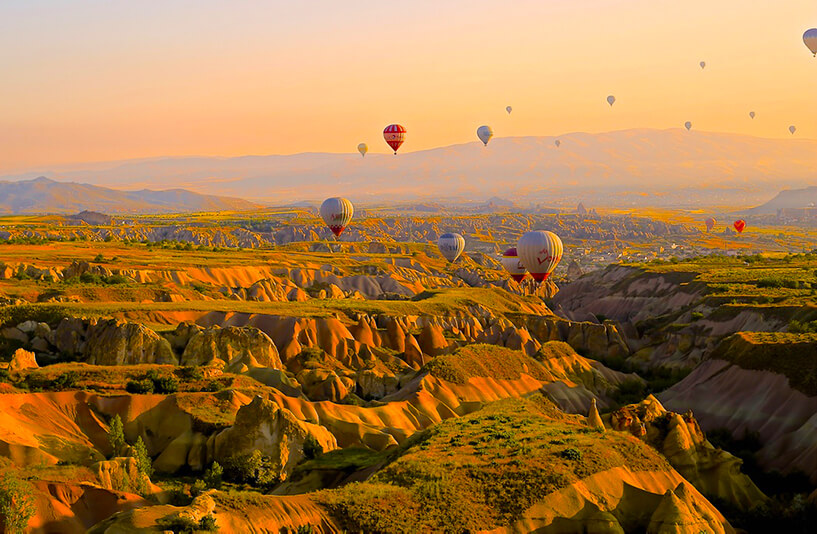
{"points": [[96, 82]]}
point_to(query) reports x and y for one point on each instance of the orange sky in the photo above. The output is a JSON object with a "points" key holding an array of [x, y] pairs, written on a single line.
{"points": [[90, 80]]}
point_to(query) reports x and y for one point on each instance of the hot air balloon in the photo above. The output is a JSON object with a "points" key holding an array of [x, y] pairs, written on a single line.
{"points": [[710, 224], [557, 143], [792, 129], [336, 212], [810, 38], [485, 133], [540, 252], [739, 225], [508, 109], [510, 260], [688, 125], [611, 100], [752, 114], [702, 64], [363, 148], [451, 246], [394, 134]]}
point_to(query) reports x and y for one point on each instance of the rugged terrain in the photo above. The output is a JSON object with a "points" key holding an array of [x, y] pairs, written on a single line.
{"points": [[371, 386]]}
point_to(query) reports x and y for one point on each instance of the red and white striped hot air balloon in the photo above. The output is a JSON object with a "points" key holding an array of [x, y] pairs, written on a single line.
{"points": [[540, 252], [710, 223], [510, 260], [394, 134], [337, 212]]}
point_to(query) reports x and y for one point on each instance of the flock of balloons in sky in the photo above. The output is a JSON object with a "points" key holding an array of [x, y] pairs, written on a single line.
{"points": [[538, 252], [395, 134]]}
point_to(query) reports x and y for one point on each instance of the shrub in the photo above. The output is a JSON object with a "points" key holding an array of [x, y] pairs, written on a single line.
{"points": [[116, 436], [214, 476], [189, 373], [572, 453], [312, 448], [696, 316], [184, 525], [253, 468], [99, 258], [17, 505], [66, 380], [139, 386], [165, 385]]}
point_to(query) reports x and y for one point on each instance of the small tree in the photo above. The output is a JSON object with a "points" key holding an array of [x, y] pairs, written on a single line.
{"points": [[143, 462], [116, 436], [17, 505], [213, 476]]}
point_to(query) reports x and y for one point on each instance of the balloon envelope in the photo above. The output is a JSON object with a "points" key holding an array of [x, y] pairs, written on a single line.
{"points": [[557, 143], [710, 224], [508, 109], [752, 114], [739, 225], [702, 64], [512, 264], [362, 148], [451, 246], [485, 133], [540, 252], [394, 134], [810, 38], [792, 129], [611, 100], [688, 125], [336, 212]]}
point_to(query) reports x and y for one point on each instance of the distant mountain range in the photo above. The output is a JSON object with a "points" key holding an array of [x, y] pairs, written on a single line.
{"points": [[622, 168], [43, 195], [791, 198]]}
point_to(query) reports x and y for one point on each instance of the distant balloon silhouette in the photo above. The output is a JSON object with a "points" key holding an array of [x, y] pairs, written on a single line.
{"points": [[792, 129], [508, 109], [702, 64], [739, 225], [394, 134], [611, 100], [688, 125], [557, 143], [810, 38], [710, 224], [752, 114], [485, 133], [363, 148]]}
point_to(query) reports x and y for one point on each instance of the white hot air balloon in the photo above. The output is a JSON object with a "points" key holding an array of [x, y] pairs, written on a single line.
{"points": [[702, 64], [336, 212], [611, 100], [485, 133], [540, 252], [557, 143], [688, 125], [792, 129], [363, 148], [508, 109], [451, 246], [512, 264], [752, 114], [810, 38]]}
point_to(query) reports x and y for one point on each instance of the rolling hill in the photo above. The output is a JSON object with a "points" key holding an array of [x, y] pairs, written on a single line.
{"points": [[43, 195], [639, 166]]}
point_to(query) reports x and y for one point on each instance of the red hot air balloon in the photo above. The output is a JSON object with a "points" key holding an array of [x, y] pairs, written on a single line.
{"points": [[512, 264], [394, 134], [710, 224], [739, 225]]}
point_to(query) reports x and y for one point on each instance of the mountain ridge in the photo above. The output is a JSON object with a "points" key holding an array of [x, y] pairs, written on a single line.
{"points": [[44, 195]]}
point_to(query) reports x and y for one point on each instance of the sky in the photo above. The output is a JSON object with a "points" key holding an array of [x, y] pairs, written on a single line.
{"points": [[93, 80]]}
